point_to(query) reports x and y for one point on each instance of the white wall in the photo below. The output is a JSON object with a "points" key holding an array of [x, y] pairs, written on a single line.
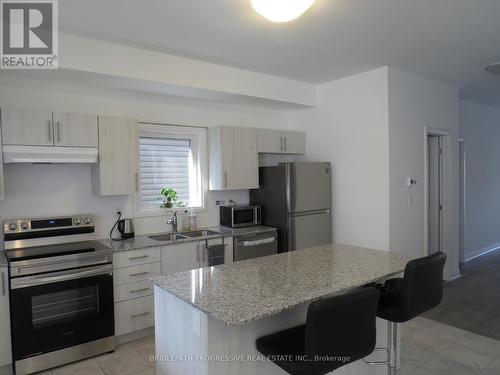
{"points": [[414, 104], [480, 129], [47, 190], [350, 130]]}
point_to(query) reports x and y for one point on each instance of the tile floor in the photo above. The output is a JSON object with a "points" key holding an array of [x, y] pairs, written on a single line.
{"points": [[428, 348], [128, 359]]}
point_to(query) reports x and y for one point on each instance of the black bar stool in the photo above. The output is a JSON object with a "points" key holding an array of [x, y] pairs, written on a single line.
{"points": [[403, 299], [338, 330]]}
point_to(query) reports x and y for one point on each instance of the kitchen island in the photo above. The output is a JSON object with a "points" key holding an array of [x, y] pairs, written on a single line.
{"points": [[207, 320]]}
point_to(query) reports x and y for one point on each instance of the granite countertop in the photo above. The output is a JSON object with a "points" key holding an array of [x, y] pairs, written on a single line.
{"points": [[143, 241], [3, 259], [245, 291]]}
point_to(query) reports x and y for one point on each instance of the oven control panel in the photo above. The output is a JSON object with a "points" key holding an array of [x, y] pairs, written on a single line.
{"points": [[44, 224]]}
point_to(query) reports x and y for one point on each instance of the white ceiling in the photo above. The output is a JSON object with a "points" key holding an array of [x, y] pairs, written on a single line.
{"points": [[446, 40]]}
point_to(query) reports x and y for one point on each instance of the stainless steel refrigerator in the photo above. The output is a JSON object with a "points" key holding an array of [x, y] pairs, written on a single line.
{"points": [[296, 198]]}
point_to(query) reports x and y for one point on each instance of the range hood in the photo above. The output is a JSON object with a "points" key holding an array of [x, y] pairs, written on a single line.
{"points": [[49, 154]]}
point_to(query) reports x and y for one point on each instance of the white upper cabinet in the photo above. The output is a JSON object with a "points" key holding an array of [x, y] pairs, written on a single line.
{"points": [[27, 128], [280, 141], [44, 128], [233, 158], [116, 172], [75, 130]]}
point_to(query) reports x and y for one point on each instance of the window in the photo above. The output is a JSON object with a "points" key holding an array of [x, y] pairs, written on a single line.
{"points": [[170, 157]]}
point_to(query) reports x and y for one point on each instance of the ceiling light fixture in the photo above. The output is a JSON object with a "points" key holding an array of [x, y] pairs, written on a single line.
{"points": [[281, 10], [494, 68]]}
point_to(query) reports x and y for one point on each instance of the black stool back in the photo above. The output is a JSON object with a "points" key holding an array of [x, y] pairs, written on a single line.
{"points": [[342, 326], [420, 290], [338, 330]]}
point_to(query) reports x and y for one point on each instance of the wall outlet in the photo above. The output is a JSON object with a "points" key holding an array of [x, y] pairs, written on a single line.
{"points": [[217, 203]]}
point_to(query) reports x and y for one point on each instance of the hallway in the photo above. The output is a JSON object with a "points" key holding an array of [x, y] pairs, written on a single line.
{"points": [[472, 302]]}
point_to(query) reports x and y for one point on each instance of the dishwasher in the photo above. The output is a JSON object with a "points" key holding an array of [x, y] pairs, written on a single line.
{"points": [[254, 246]]}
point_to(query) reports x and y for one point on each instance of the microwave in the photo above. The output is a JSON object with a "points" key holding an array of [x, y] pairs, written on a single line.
{"points": [[240, 216]]}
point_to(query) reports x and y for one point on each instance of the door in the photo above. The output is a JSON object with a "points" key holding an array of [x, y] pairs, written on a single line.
{"points": [[309, 230], [310, 186], [239, 158], [114, 175], [294, 142], [435, 168], [57, 315], [27, 128], [75, 130]]}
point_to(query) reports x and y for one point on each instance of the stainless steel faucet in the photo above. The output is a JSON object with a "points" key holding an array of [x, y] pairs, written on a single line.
{"points": [[173, 221]]}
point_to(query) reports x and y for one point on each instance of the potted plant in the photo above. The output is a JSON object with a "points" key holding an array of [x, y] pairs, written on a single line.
{"points": [[169, 197]]}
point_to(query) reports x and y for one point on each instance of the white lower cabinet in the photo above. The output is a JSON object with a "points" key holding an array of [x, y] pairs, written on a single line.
{"points": [[132, 270], [133, 292], [134, 315], [179, 257], [5, 345], [136, 273]]}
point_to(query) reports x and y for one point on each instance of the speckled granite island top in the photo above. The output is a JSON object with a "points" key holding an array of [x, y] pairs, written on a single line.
{"points": [[245, 291]]}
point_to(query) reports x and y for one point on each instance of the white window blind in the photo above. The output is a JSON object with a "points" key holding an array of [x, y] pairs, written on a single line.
{"points": [[164, 163]]}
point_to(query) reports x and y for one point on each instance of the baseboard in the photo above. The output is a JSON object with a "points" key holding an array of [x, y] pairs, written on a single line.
{"points": [[146, 332], [480, 252]]}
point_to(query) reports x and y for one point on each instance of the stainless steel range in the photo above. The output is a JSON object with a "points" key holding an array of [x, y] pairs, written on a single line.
{"points": [[61, 292]]}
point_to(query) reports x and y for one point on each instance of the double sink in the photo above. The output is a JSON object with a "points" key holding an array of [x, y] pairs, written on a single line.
{"points": [[165, 237]]}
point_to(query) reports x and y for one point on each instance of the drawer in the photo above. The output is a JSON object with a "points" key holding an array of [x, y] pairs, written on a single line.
{"points": [[134, 315], [136, 273], [125, 292], [133, 257]]}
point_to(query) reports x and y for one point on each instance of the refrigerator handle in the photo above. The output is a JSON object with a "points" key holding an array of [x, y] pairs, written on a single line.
{"points": [[289, 246]]}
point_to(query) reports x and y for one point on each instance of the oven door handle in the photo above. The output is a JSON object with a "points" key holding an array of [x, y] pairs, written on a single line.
{"points": [[54, 277]]}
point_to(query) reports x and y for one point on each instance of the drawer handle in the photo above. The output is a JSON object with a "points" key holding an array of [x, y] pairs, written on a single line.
{"points": [[139, 290], [140, 257], [139, 315], [138, 274]]}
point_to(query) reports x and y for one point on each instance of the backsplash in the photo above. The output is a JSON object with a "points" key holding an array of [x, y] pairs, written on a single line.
{"points": [[65, 189]]}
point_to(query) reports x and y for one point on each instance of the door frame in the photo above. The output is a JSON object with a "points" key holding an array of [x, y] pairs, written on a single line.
{"points": [[446, 188]]}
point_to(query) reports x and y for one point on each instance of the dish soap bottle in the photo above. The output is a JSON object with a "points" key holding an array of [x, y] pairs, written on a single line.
{"points": [[185, 221], [192, 221]]}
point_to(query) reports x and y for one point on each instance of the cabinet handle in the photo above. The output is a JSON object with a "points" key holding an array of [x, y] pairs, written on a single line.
{"points": [[139, 315], [58, 128], [4, 291], [49, 126], [285, 147], [225, 179], [138, 274], [139, 257], [136, 181], [198, 254], [139, 290], [281, 143]]}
